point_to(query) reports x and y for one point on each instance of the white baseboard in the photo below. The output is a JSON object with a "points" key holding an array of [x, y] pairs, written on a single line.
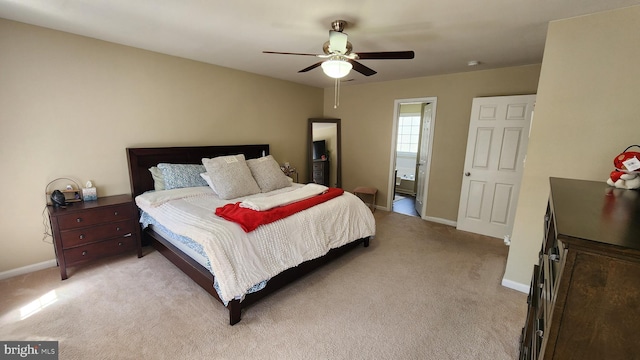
{"points": [[27, 269], [441, 221], [515, 285]]}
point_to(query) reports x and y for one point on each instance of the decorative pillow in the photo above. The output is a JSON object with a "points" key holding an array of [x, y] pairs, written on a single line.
{"points": [[230, 176], [158, 179], [267, 173], [178, 176]]}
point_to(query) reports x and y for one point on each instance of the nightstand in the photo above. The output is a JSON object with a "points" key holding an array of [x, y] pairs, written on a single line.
{"points": [[90, 230]]}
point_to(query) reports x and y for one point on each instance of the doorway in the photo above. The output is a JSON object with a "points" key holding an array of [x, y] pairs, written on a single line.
{"points": [[411, 145]]}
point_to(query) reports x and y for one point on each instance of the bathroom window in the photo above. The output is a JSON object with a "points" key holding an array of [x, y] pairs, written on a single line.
{"points": [[407, 145], [408, 133]]}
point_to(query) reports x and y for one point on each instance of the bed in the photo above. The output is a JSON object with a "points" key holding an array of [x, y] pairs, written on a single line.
{"points": [[142, 182]]}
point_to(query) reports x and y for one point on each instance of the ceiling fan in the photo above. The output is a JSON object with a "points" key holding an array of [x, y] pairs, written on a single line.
{"points": [[340, 58]]}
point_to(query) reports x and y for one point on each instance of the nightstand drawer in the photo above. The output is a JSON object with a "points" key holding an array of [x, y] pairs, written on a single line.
{"points": [[95, 216], [72, 238], [99, 250]]}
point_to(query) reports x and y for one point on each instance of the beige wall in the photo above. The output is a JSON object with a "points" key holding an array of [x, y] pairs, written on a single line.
{"points": [[411, 108], [70, 105], [586, 113], [367, 120]]}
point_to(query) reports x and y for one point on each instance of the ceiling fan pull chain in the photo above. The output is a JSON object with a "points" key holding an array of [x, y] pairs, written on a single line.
{"points": [[336, 94]]}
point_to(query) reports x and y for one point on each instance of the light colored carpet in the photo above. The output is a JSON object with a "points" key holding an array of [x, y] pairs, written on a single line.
{"points": [[420, 291]]}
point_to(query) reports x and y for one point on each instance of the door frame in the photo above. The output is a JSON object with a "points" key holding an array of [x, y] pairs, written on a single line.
{"points": [[394, 140]]}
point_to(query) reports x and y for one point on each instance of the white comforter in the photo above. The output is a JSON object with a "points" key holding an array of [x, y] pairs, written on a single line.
{"points": [[240, 260]]}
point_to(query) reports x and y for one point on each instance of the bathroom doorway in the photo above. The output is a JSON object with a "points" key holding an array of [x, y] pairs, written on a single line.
{"points": [[412, 140]]}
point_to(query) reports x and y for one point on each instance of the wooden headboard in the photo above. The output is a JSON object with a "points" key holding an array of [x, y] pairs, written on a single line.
{"points": [[141, 159]]}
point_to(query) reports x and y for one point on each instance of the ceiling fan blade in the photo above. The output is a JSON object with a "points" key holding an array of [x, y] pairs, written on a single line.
{"points": [[383, 55], [287, 53], [311, 67], [361, 68], [337, 42]]}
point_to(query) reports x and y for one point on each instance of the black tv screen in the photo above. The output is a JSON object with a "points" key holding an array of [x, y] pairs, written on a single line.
{"points": [[319, 149]]}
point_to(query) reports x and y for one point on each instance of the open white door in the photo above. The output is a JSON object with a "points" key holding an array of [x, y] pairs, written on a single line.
{"points": [[494, 162], [423, 159]]}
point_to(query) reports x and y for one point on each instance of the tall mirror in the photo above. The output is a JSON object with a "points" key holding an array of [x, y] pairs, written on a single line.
{"points": [[325, 164]]}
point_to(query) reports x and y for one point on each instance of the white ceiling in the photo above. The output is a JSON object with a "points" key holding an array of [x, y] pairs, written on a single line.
{"points": [[445, 34]]}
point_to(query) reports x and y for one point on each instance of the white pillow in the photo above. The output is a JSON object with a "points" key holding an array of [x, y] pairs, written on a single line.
{"points": [[207, 178], [230, 176], [158, 179], [267, 173]]}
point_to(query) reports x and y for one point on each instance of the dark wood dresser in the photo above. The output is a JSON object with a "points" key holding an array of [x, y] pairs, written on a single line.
{"points": [[90, 230], [584, 300], [321, 172]]}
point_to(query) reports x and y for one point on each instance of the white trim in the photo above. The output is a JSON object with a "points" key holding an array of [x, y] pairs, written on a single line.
{"points": [[440, 221], [392, 161], [515, 285], [409, 113], [28, 269]]}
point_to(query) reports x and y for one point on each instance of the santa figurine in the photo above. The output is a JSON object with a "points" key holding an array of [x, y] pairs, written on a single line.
{"points": [[627, 172]]}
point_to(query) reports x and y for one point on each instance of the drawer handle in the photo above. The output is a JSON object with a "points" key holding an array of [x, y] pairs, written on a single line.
{"points": [[115, 213], [118, 228], [81, 236], [79, 220], [84, 253], [127, 235], [119, 243]]}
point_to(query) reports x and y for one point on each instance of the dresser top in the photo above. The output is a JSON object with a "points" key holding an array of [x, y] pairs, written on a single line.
{"points": [[595, 211], [85, 205]]}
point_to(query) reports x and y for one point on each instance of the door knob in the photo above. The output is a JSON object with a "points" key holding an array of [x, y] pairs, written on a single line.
{"points": [[467, 174]]}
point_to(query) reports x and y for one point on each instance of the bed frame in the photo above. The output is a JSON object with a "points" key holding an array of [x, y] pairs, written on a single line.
{"points": [[141, 159]]}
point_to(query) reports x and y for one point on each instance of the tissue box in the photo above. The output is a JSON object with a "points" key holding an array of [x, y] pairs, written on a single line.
{"points": [[89, 194]]}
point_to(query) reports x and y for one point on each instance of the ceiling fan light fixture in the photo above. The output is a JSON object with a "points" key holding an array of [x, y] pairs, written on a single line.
{"points": [[336, 68]]}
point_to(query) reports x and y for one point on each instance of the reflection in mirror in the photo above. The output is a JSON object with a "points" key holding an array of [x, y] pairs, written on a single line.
{"points": [[324, 152]]}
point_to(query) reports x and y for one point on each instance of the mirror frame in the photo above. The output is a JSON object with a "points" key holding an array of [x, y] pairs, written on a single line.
{"points": [[338, 147]]}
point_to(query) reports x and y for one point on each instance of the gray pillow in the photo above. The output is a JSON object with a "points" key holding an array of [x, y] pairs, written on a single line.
{"points": [[267, 173], [178, 176], [230, 176]]}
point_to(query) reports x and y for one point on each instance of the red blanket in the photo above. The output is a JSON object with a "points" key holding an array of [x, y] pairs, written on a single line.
{"points": [[250, 219]]}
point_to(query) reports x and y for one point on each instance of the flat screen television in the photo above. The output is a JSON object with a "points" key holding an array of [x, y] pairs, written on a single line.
{"points": [[319, 149]]}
